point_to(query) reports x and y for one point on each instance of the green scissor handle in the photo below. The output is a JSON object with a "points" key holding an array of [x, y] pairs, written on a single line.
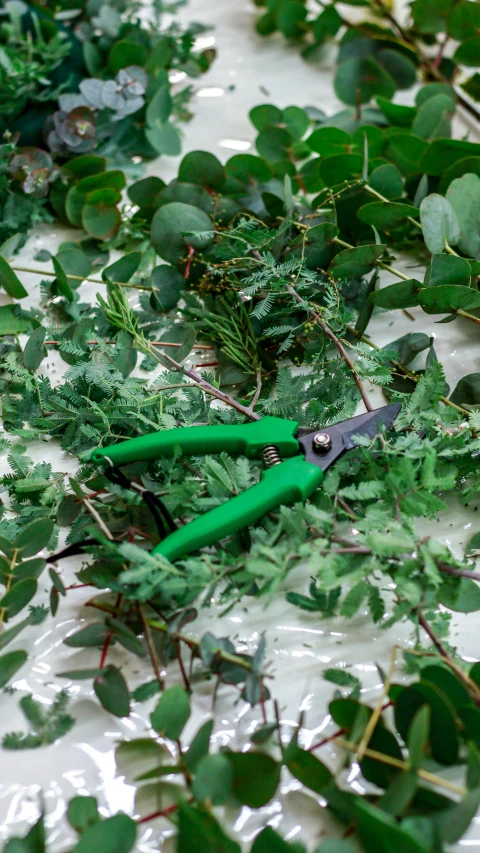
{"points": [[291, 481], [237, 439]]}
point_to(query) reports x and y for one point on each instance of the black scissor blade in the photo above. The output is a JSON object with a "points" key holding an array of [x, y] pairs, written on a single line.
{"points": [[342, 435], [368, 424]]}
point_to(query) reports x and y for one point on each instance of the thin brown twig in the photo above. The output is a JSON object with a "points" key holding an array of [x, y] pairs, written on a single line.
{"points": [[93, 512], [205, 386], [151, 648], [257, 390], [431, 633], [338, 344]]}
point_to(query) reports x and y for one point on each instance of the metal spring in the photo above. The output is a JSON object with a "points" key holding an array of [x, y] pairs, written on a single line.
{"points": [[271, 455]]}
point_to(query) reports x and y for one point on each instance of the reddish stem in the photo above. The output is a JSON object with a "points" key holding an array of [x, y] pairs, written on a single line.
{"points": [[106, 646], [182, 667], [108, 638], [326, 740], [191, 252], [162, 813]]}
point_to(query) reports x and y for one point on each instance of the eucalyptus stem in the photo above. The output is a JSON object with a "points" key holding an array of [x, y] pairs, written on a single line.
{"points": [[468, 316], [377, 712], [50, 274], [377, 263], [402, 765], [193, 644]]}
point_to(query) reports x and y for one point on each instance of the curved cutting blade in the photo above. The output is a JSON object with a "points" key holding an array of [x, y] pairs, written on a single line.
{"points": [[342, 435]]}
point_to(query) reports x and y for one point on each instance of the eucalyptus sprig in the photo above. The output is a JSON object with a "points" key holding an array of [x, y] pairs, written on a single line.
{"points": [[404, 765], [382, 54]]}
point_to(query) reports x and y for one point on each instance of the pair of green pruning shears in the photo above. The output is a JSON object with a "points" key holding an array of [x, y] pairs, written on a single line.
{"points": [[296, 459]]}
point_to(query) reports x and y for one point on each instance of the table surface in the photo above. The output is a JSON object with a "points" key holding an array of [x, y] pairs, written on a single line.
{"points": [[249, 70]]}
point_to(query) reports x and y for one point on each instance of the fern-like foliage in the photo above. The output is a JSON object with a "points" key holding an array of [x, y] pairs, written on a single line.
{"points": [[47, 725]]}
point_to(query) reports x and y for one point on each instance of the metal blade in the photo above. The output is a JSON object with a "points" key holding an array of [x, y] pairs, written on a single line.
{"points": [[368, 424], [342, 435]]}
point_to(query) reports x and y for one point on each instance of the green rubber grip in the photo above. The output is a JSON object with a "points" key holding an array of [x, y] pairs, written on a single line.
{"points": [[237, 439], [291, 481]]}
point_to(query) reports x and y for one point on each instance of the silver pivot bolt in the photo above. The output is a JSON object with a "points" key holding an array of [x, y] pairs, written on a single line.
{"points": [[322, 442]]}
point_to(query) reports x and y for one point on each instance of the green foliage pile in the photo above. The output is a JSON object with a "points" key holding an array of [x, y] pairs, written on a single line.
{"points": [[79, 77], [268, 266], [380, 55]]}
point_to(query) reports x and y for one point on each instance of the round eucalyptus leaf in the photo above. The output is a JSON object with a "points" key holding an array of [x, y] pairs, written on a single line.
{"points": [[464, 20], [82, 812], [171, 713], [256, 777], [100, 217], [125, 53], [356, 262], [144, 192], [468, 52], [9, 664], [362, 78], [439, 222], [112, 691], [123, 269], [77, 195], [467, 165], [386, 215], [387, 181], [167, 284], [192, 194], [160, 107], [447, 269], [213, 780], [273, 143], [296, 121], [401, 294], [10, 281], [164, 138], [201, 167], [400, 68], [248, 168], [463, 195], [290, 17], [265, 115], [448, 298], [467, 390], [328, 141], [169, 225], [35, 351], [33, 537], [114, 835], [18, 596], [434, 117]]}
